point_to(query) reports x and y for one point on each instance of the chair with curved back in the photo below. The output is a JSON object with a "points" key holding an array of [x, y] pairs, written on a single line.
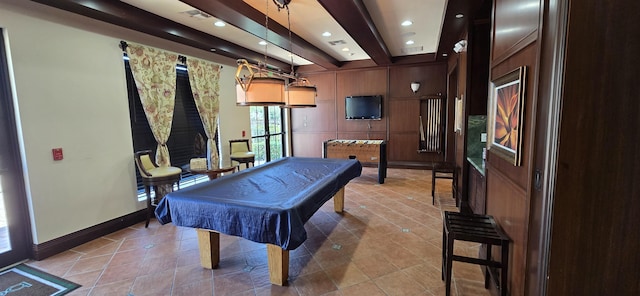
{"points": [[240, 151], [154, 176]]}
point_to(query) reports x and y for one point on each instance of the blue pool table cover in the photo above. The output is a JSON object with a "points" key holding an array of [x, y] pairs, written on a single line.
{"points": [[266, 204]]}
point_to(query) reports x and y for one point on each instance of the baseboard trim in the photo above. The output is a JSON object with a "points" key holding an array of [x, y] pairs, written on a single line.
{"points": [[63, 243], [409, 165]]}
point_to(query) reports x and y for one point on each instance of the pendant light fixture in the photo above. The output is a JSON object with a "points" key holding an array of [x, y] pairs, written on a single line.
{"points": [[264, 87], [259, 89], [299, 93]]}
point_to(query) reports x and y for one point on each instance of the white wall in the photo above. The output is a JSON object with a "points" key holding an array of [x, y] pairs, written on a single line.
{"points": [[71, 93]]}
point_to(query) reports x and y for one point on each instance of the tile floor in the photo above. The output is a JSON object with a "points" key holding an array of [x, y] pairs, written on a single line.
{"points": [[387, 242]]}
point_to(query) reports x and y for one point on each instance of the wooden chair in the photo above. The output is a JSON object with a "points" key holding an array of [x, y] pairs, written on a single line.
{"points": [[240, 151], [154, 176]]}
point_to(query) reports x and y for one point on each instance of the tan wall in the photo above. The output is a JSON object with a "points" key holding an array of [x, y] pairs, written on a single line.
{"points": [[71, 92]]}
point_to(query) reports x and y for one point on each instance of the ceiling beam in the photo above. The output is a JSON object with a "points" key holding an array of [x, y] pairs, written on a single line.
{"points": [[414, 59], [241, 15], [453, 27], [131, 17], [354, 18]]}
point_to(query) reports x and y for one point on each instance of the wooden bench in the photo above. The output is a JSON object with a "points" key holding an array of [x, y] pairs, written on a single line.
{"points": [[442, 170], [480, 229]]}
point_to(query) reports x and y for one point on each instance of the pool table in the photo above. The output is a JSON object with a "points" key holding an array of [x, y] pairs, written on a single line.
{"points": [[268, 204]]}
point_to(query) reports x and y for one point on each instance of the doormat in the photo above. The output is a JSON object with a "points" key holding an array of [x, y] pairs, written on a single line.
{"points": [[28, 281]]}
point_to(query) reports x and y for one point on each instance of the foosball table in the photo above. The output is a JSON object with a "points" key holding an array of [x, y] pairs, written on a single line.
{"points": [[366, 151]]}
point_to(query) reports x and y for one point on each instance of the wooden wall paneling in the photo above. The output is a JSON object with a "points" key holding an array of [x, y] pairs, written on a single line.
{"points": [[363, 136], [507, 199], [311, 126], [404, 116], [402, 146], [432, 79], [452, 93], [527, 57], [476, 61], [326, 97], [552, 52], [595, 237], [479, 48], [363, 82], [371, 81], [325, 84], [514, 34], [507, 202], [361, 126], [460, 137], [310, 144], [477, 191], [322, 118], [404, 109], [515, 24]]}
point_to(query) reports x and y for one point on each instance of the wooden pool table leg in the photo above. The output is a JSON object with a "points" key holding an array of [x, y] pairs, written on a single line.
{"points": [[278, 264], [209, 244], [338, 201]]}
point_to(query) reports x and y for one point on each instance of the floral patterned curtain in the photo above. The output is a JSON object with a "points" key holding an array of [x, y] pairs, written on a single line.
{"points": [[204, 77], [154, 72]]}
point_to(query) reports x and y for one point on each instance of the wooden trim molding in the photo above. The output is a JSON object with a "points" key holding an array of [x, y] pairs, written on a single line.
{"points": [[491, 169], [63, 243], [516, 48]]}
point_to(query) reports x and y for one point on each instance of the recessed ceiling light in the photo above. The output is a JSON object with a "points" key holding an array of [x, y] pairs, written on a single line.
{"points": [[409, 42], [444, 54], [459, 15], [212, 50], [262, 42], [345, 49], [407, 23], [326, 34], [219, 24]]}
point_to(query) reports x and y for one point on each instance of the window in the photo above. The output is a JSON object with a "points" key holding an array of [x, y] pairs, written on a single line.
{"points": [[267, 133], [183, 141]]}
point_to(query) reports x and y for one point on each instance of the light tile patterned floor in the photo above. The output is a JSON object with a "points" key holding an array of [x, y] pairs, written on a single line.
{"points": [[387, 242]]}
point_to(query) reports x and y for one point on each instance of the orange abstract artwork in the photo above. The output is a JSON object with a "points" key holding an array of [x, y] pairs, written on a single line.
{"points": [[507, 103], [507, 116]]}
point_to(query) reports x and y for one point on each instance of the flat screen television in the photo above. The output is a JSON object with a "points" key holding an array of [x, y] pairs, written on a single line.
{"points": [[363, 107]]}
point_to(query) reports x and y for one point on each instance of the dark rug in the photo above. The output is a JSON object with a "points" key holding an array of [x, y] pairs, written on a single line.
{"points": [[28, 281]]}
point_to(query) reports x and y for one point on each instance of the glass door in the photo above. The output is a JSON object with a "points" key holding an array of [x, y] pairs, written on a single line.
{"points": [[14, 225], [267, 133]]}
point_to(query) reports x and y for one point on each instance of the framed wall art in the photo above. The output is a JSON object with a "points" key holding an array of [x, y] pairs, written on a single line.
{"points": [[506, 112]]}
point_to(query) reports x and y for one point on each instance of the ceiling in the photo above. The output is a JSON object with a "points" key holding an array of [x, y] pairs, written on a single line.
{"points": [[363, 32]]}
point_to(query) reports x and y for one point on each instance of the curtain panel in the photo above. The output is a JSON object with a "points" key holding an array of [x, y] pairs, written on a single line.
{"points": [[154, 72], [204, 78]]}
